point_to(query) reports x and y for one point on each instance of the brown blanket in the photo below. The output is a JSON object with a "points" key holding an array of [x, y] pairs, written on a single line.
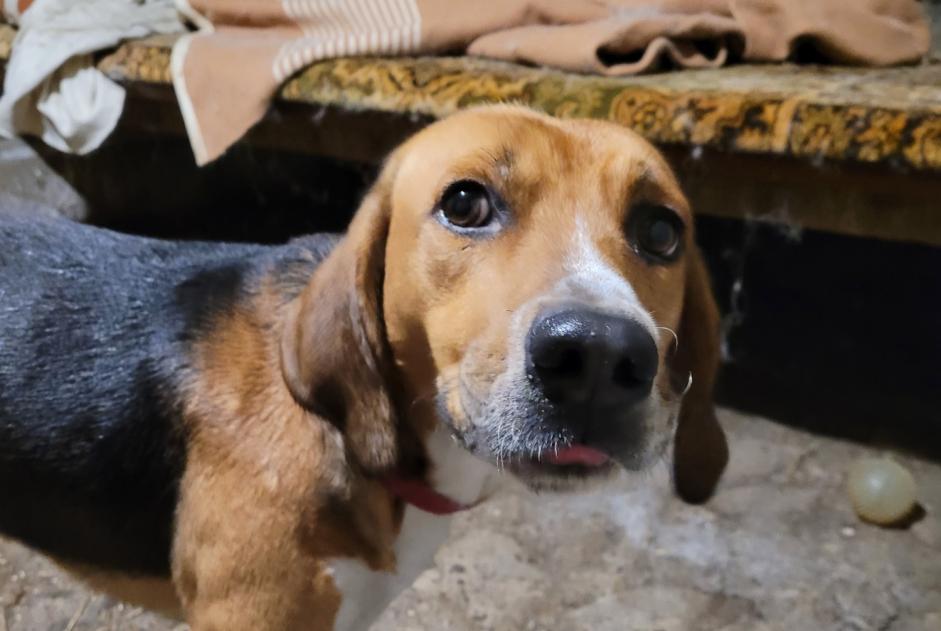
{"points": [[226, 73]]}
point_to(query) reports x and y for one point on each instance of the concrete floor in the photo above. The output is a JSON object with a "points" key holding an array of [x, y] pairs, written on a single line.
{"points": [[778, 548], [27, 184]]}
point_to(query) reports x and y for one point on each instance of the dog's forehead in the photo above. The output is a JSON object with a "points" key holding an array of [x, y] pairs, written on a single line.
{"points": [[518, 147]]}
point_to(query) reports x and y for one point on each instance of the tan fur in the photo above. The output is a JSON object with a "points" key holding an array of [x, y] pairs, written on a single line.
{"points": [[266, 494], [294, 405]]}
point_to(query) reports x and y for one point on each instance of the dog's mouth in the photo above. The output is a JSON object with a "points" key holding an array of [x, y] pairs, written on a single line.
{"points": [[580, 455], [551, 449], [558, 468]]}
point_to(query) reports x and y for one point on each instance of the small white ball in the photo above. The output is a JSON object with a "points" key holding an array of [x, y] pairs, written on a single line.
{"points": [[882, 491]]}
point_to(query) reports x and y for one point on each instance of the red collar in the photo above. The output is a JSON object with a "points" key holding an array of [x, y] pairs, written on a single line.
{"points": [[419, 494]]}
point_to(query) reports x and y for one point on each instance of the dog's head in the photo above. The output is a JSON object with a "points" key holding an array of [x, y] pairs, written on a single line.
{"points": [[535, 282]]}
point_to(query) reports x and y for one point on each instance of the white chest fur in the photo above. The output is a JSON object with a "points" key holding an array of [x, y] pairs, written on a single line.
{"points": [[365, 593]]}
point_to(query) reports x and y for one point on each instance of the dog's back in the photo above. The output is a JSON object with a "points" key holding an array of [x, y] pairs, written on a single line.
{"points": [[94, 334]]}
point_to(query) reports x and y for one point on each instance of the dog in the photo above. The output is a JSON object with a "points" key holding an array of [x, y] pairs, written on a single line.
{"points": [[275, 437]]}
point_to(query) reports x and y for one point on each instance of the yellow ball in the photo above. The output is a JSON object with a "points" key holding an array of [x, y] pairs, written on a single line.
{"points": [[882, 491]]}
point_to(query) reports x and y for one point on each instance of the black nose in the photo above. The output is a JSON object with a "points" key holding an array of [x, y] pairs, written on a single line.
{"points": [[580, 356]]}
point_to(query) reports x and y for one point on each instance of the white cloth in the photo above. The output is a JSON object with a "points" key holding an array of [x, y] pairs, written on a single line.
{"points": [[52, 88]]}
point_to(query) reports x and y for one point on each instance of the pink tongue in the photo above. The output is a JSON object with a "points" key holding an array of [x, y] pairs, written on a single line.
{"points": [[576, 454]]}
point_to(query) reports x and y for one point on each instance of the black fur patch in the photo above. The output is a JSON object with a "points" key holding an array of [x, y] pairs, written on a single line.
{"points": [[208, 293]]}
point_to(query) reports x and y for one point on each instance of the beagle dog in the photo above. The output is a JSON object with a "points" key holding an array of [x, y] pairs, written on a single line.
{"points": [[273, 438]]}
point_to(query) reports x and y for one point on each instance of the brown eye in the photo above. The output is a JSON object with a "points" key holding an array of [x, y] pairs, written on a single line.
{"points": [[466, 204], [656, 232]]}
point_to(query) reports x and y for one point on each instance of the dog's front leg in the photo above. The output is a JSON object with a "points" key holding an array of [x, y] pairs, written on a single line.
{"points": [[241, 557]]}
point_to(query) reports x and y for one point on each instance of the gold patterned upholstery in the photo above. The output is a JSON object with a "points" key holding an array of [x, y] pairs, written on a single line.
{"points": [[854, 118]]}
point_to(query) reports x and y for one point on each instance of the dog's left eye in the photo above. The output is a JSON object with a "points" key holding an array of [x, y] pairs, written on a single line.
{"points": [[655, 232], [466, 204]]}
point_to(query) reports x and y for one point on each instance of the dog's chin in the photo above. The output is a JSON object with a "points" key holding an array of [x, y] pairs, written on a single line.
{"points": [[541, 474], [544, 477]]}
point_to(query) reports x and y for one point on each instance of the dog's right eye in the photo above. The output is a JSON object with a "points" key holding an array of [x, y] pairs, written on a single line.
{"points": [[466, 205]]}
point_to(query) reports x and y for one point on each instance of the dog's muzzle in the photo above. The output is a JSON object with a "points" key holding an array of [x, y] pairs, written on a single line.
{"points": [[593, 368]]}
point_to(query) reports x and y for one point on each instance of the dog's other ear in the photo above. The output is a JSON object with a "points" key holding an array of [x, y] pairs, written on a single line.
{"points": [[334, 353], [700, 451]]}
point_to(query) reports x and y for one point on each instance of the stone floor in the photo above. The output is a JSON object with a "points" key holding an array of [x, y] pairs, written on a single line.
{"points": [[777, 548]]}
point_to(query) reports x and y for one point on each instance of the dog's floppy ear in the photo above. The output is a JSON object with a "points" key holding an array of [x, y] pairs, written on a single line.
{"points": [[700, 451], [334, 354]]}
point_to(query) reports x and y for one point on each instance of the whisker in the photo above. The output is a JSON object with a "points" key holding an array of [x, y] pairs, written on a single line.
{"points": [[676, 339]]}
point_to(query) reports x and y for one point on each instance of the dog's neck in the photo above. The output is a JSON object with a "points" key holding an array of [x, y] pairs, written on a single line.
{"points": [[457, 474], [454, 478]]}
